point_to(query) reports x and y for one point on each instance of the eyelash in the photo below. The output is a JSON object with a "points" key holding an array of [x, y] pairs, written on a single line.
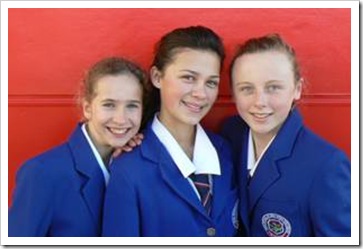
{"points": [[249, 89], [189, 78], [132, 106], [212, 83], [246, 89], [273, 88], [109, 105]]}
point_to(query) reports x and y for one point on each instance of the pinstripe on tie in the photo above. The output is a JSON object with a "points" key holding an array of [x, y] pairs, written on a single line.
{"points": [[201, 183]]}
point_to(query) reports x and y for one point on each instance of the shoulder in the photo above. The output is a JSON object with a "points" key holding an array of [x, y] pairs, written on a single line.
{"points": [[310, 141], [232, 123], [234, 128], [313, 154], [216, 139], [131, 163], [235, 131], [48, 164], [221, 145], [223, 149]]}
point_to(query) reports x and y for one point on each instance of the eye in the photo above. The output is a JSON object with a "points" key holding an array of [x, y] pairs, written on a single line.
{"points": [[188, 78], [108, 105], [133, 106], [212, 83], [245, 89], [273, 88]]}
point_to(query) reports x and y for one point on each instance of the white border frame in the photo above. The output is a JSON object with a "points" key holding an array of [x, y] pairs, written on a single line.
{"points": [[353, 5]]}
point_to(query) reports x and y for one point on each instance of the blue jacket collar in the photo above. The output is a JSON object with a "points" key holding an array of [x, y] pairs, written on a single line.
{"points": [[86, 164]]}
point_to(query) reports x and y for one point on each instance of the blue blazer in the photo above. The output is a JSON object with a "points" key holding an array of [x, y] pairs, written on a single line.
{"points": [[148, 196], [301, 186], [59, 193]]}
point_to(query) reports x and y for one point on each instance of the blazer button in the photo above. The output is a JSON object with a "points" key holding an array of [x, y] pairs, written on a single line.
{"points": [[211, 231]]}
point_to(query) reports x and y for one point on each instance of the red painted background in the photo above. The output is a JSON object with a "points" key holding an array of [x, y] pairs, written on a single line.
{"points": [[50, 49]]}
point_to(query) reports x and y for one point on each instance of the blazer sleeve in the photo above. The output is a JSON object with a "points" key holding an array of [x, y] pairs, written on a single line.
{"points": [[121, 216], [31, 210], [330, 203]]}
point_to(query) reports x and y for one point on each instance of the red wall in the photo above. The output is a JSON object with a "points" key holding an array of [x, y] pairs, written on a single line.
{"points": [[49, 50]]}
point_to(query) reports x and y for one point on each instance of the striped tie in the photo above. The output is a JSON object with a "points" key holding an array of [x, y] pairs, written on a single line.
{"points": [[201, 183]]}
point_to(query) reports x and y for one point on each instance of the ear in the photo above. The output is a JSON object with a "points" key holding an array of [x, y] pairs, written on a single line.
{"points": [[87, 110], [155, 76], [298, 89]]}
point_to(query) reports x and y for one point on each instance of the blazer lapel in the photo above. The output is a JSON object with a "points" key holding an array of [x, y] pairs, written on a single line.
{"points": [[221, 189], [267, 171], [223, 185], [154, 150], [265, 175], [242, 174], [93, 185], [181, 186]]}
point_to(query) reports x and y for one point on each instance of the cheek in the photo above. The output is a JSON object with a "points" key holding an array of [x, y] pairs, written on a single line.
{"points": [[135, 116], [281, 102], [171, 97], [213, 94], [242, 102], [99, 115]]}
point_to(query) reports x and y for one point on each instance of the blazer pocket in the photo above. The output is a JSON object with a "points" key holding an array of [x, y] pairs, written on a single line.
{"points": [[276, 218]]}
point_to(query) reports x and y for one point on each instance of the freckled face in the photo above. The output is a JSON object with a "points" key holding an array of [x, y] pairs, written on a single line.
{"points": [[188, 86], [264, 90], [114, 114]]}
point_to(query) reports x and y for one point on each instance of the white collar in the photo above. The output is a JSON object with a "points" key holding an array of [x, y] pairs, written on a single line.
{"points": [[251, 162], [205, 157], [97, 155]]}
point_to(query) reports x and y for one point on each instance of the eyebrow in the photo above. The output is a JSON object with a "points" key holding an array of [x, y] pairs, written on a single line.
{"points": [[128, 100], [135, 101], [273, 81], [250, 83], [243, 83], [196, 73]]}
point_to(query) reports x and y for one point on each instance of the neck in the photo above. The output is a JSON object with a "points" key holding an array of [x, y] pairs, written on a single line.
{"points": [[104, 151], [105, 154], [260, 143], [184, 134]]}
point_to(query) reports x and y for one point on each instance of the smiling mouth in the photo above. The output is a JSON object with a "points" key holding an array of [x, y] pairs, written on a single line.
{"points": [[118, 131], [196, 108], [261, 116]]}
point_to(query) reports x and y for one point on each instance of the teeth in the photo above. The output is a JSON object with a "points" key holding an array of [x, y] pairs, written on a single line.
{"points": [[259, 115], [118, 131]]}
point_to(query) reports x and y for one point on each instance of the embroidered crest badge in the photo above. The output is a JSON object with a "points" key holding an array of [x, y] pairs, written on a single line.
{"points": [[276, 225]]}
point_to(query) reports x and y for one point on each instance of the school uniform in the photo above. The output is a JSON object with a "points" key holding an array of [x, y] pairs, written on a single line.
{"points": [[300, 187], [60, 192], [150, 192]]}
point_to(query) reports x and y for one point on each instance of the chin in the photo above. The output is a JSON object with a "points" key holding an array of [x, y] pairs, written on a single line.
{"points": [[194, 121], [120, 143]]}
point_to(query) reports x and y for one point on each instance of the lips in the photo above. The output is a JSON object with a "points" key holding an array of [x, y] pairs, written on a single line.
{"points": [[260, 116], [194, 107], [118, 131]]}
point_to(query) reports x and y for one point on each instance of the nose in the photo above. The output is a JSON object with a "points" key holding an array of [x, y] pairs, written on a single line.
{"points": [[120, 116], [260, 100], [199, 90]]}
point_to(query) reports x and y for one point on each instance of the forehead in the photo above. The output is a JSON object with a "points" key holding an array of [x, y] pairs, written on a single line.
{"points": [[118, 86], [268, 63], [197, 59]]}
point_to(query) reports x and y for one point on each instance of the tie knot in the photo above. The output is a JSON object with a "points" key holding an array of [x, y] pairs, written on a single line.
{"points": [[200, 179]]}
